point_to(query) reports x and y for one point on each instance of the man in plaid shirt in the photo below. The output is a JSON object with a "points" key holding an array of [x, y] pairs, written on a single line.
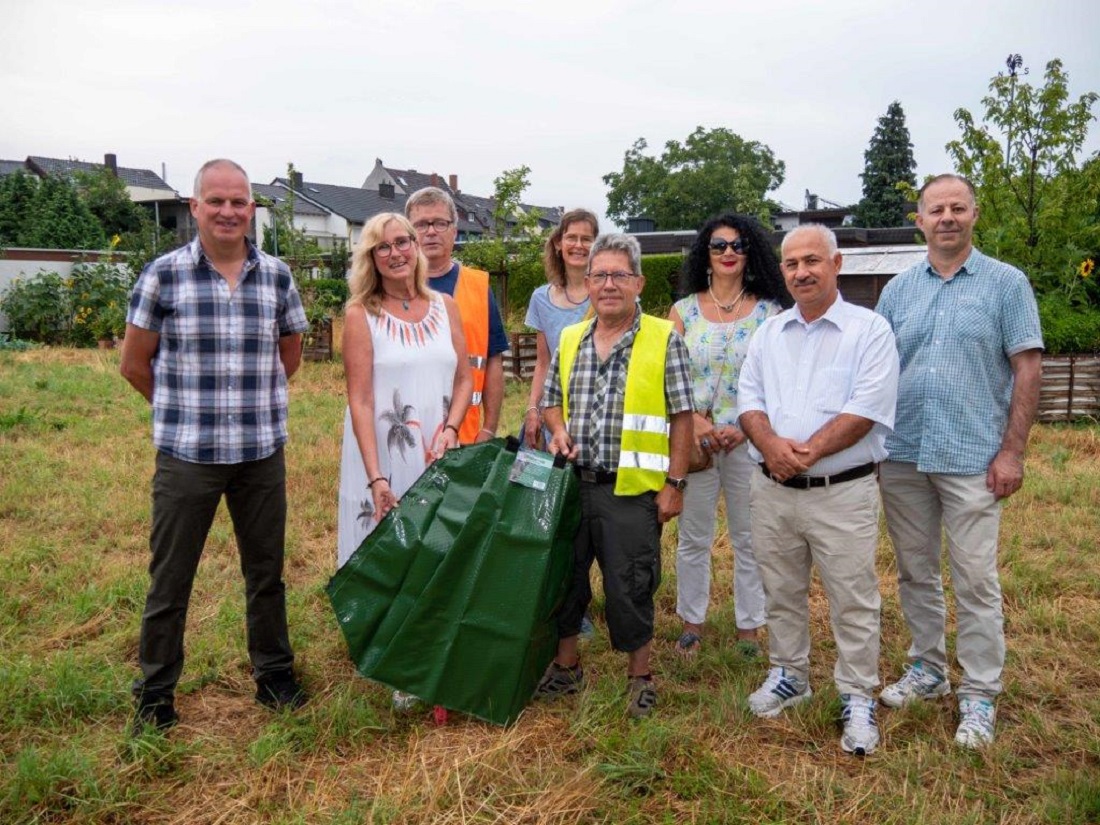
{"points": [[214, 331], [618, 402]]}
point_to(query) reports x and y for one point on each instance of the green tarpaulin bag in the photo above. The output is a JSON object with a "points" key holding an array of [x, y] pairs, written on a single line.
{"points": [[452, 597]]}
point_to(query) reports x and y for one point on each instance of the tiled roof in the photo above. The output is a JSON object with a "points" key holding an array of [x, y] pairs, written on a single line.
{"points": [[350, 202], [278, 195], [8, 167], [145, 178]]}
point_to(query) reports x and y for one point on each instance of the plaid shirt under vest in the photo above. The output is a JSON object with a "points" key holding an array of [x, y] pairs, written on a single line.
{"points": [[219, 388], [597, 391]]}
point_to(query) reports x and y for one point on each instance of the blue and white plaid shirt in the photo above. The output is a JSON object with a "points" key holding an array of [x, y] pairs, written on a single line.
{"points": [[219, 388], [955, 339]]}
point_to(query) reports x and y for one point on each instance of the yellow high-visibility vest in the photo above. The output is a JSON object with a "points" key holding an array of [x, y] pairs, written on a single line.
{"points": [[644, 446]]}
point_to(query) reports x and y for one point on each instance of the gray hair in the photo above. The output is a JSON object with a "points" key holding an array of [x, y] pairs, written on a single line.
{"points": [[210, 164], [429, 196], [940, 179], [819, 229], [616, 242]]}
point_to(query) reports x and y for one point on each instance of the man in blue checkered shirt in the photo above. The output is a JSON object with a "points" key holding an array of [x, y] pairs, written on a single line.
{"points": [[214, 331], [968, 335]]}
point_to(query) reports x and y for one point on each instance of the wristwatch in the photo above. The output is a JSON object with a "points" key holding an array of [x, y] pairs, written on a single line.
{"points": [[676, 483]]}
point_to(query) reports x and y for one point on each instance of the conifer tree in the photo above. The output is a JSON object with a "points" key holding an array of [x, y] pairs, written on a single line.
{"points": [[888, 161]]}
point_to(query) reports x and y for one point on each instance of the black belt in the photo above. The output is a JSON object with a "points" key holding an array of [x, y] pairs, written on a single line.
{"points": [[806, 482], [592, 476]]}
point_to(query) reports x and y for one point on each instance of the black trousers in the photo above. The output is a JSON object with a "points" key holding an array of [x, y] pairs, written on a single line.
{"points": [[185, 498], [623, 534]]}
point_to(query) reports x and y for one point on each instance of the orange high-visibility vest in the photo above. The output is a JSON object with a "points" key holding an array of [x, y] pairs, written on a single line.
{"points": [[472, 297]]}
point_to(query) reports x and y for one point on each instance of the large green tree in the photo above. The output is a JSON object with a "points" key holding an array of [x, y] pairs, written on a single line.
{"points": [[17, 193], [57, 218], [712, 171], [108, 199], [1039, 207], [887, 162]]}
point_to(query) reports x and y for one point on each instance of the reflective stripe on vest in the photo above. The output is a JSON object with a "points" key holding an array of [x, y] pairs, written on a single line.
{"points": [[644, 446], [472, 297]]}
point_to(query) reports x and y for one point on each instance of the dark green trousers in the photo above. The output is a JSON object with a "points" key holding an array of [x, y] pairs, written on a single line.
{"points": [[185, 498]]}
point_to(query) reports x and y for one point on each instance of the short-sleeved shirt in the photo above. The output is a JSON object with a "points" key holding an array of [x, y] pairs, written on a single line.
{"points": [[498, 338], [955, 339], [219, 387], [717, 352], [597, 391], [803, 375], [549, 318]]}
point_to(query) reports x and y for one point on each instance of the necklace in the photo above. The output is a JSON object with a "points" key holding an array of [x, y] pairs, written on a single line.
{"points": [[404, 301], [565, 292], [736, 302]]}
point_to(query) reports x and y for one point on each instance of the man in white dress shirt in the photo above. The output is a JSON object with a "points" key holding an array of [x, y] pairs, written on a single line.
{"points": [[816, 398]]}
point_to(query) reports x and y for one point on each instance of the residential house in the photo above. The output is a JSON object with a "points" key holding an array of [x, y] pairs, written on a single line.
{"points": [[347, 208]]}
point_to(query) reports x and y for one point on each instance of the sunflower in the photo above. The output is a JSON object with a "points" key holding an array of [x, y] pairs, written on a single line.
{"points": [[1086, 267]]}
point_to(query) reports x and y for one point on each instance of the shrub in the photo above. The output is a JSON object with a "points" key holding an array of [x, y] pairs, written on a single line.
{"points": [[661, 274], [1068, 328], [74, 311]]}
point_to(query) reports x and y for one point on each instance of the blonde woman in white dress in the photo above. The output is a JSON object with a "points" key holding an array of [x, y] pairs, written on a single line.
{"points": [[408, 377]]}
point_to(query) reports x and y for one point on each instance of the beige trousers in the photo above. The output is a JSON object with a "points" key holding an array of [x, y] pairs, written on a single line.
{"points": [[835, 528], [918, 505]]}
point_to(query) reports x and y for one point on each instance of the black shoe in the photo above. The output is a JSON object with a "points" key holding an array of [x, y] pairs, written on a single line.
{"points": [[279, 690], [560, 681], [156, 713]]}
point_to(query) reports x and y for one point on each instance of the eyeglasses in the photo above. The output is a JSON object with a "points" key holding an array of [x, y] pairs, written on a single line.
{"points": [[439, 225], [618, 278], [718, 247], [580, 240], [384, 250]]}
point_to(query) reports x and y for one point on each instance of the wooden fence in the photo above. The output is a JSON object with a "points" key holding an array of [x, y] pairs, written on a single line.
{"points": [[1070, 388], [519, 361]]}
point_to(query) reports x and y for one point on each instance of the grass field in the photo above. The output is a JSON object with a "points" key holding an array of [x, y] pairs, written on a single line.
{"points": [[75, 465]]}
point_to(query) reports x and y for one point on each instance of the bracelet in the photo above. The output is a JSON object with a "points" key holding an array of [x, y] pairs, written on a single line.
{"points": [[531, 409], [451, 427], [490, 432], [374, 481]]}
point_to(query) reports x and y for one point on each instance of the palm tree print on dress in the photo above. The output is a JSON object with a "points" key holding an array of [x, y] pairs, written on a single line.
{"points": [[366, 512], [401, 422], [438, 430]]}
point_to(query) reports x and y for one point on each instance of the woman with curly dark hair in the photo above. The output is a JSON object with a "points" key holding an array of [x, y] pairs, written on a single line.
{"points": [[732, 283]]}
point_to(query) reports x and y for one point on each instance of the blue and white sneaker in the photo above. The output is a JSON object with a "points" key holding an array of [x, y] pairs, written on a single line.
{"points": [[979, 718], [860, 729], [916, 683], [779, 691]]}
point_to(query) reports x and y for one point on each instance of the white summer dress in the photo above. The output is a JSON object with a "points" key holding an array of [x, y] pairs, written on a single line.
{"points": [[414, 371]]}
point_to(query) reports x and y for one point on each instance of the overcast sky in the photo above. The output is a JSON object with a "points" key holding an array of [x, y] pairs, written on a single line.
{"points": [[473, 88]]}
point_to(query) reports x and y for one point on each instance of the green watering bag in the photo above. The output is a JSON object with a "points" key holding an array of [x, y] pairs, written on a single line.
{"points": [[452, 597]]}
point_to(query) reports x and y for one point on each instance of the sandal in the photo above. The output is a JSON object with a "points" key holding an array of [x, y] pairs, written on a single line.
{"points": [[688, 644]]}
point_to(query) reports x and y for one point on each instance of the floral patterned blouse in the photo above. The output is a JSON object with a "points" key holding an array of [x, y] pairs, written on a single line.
{"points": [[717, 352]]}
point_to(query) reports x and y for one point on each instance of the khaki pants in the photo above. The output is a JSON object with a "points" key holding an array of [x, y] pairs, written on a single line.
{"points": [[835, 528], [917, 506]]}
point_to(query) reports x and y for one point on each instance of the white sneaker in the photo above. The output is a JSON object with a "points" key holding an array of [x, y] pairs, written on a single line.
{"points": [[860, 729], [778, 691], [916, 683], [404, 701], [979, 717]]}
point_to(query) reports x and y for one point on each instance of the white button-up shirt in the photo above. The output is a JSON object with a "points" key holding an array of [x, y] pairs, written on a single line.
{"points": [[802, 375]]}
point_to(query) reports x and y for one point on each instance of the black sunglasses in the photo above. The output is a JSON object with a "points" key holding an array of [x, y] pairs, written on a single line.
{"points": [[718, 247]]}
